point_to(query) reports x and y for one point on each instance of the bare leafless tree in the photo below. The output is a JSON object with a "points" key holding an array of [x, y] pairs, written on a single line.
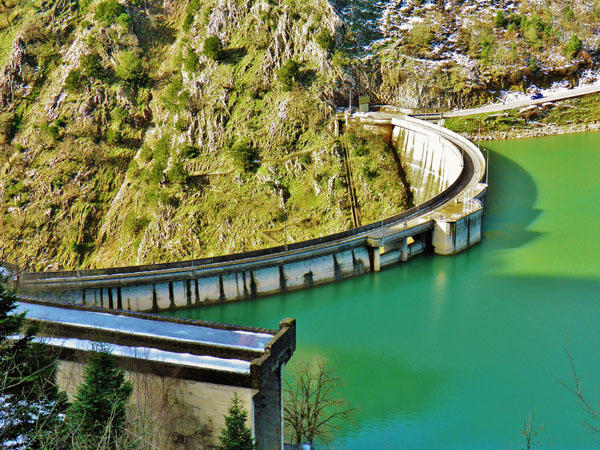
{"points": [[312, 406], [576, 388]]}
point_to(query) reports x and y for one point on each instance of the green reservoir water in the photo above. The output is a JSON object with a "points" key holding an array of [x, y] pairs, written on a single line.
{"points": [[456, 352]]}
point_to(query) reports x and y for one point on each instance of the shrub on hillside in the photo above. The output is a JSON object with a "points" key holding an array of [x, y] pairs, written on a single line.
{"points": [[569, 14], [177, 173], [325, 40], [213, 48], [486, 48], [420, 38], [288, 74], [83, 5], [190, 62], [190, 152], [124, 20], [499, 19], [175, 96], [574, 46], [74, 81], [129, 67], [107, 11], [119, 115], [113, 136], [161, 152], [190, 14], [245, 156], [91, 65], [340, 59], [8, 127]]}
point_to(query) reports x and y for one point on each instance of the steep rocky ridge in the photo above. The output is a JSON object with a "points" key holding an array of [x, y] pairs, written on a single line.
{"points": [[129, 136]]}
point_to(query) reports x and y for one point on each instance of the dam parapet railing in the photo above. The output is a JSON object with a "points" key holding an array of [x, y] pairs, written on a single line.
{"points": [[448, 168]]}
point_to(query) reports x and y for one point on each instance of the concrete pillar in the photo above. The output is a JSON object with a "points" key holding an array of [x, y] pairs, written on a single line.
{"points": [[377, 259], [404, 250], [453, 236], [268, 424]]}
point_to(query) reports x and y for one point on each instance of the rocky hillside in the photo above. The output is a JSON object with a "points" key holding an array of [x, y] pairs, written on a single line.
{"points": [[143, 131], [147, 131], [449, 53]]}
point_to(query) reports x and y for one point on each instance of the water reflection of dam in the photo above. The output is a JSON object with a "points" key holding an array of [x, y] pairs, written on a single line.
{"points": [[446, 168]]}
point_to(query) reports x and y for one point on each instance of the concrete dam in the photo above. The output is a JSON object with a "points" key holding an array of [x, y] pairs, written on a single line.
{"points": [[446, 170]]}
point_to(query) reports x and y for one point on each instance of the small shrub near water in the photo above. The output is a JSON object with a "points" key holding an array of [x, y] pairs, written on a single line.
{"points": [[574, 46], [500, 19]]}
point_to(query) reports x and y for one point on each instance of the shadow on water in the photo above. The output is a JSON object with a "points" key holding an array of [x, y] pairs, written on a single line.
{"points": [[509, 205]]}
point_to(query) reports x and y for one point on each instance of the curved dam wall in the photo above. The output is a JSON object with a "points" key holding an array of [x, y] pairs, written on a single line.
{"points": [[450, 168], [431, 164]]}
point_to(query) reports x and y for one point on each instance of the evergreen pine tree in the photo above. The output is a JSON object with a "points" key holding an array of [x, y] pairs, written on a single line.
{"points": [[235, 435], [30, 402], [99, 406]]}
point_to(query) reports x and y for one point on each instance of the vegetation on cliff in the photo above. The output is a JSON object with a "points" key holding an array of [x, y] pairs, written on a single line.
{"points": [[149, 131], [144, 132], [449, 53]]}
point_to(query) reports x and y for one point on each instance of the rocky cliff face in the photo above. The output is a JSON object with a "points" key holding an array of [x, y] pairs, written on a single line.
{"points": [[149, 131]]}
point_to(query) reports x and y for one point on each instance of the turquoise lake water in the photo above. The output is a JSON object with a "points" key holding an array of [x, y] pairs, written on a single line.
{"points": [[456, 352]]}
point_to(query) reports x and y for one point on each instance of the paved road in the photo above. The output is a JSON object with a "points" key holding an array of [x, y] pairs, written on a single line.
{"points": [[575, 92]]}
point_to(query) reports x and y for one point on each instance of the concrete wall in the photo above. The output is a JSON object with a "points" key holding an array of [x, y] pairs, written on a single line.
{"points": [[431, 164], [233, 286], [190, 411], [183, 408], [268, 411], [451, 236]]}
